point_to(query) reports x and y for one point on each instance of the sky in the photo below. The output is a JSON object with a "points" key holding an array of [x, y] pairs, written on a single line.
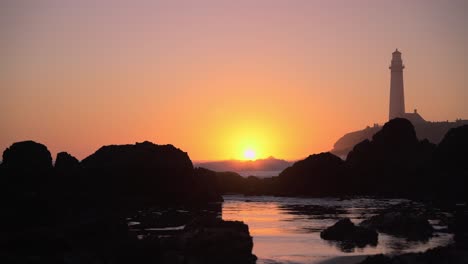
{"points": [[220, 78]]}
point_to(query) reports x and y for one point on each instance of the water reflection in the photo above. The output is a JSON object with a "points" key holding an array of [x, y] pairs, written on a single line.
{"points": [[287, 230]]}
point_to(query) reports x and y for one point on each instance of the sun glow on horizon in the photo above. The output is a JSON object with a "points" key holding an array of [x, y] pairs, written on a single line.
{"points": [[249, 154], [251, 138]]}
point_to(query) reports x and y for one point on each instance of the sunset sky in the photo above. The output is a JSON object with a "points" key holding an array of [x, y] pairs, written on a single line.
{"points": [[219, 78]]}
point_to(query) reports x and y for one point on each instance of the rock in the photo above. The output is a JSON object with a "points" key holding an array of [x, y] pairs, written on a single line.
{"points": [[447, 255], [460, 227], [145, 171], [345, 231], [402, 224], [392, 163], [66, 162], [452, 152], [451, 159], [212, 240], [377, 259], [27, 155], [317, 175], [396, 133], [146, 155], [26, 170]]}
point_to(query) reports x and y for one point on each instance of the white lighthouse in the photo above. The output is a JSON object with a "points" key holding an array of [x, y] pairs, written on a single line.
{"points": [[397, 93]]}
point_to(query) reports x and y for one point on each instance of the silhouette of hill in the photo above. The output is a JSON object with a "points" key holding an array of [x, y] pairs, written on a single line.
{"points": [[268, 164]]}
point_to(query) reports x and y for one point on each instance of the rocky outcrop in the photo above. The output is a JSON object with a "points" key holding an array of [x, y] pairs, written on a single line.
{"points": [[437, 255], [25, 171], [145, 171], [66, 162], [347, 142], [231, 182], [318, 174], [452, 152], [460, 227], [212, 240], [401, 223], [393, 163], [451, 162], [432, 131], [345, 231], [27, 155]]}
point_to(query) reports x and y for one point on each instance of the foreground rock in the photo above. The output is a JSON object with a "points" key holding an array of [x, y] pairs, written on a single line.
{"points": [[212, 240], [448, 255], [351, 235], [403, 224]]}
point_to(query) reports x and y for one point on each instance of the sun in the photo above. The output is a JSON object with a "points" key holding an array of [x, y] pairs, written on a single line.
{"points": [[249, 154]]}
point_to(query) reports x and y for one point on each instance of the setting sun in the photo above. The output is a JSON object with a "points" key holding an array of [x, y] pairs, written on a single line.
{"points": [[249, 154]]}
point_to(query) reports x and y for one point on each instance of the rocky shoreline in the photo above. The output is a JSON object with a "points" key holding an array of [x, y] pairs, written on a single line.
{"points": [[76, 211]]}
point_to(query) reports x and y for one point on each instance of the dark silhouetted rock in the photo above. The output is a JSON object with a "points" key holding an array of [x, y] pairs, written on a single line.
{"points": [[460, 227], [403, 224], [27, 155], [319, 174], [347, 142], [449, 255], [26, 170], [346, 232], [393, 163], [66, 162], [396, 133], [451, 162], [212, 240], [146, 171], [452, 152], [434, 132], [232, 182]]}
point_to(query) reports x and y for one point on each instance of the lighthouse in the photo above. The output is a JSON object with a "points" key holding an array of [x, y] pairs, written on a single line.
{"points": [[397, 94]]}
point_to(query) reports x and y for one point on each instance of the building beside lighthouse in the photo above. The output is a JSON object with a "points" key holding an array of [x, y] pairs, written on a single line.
{"points": [[397, 92]]}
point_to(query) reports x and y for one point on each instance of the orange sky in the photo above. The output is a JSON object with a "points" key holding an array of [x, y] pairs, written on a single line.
{"points": [[214, 78]]}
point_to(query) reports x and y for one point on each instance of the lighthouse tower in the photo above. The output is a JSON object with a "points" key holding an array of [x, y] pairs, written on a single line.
{"points": [[397, 95]]}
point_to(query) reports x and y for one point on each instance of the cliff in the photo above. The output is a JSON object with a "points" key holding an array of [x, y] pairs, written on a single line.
{"points": [[432, 131]]}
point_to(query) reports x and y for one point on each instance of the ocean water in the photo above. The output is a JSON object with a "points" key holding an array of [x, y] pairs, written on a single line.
{"points": [[287, 230]]}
